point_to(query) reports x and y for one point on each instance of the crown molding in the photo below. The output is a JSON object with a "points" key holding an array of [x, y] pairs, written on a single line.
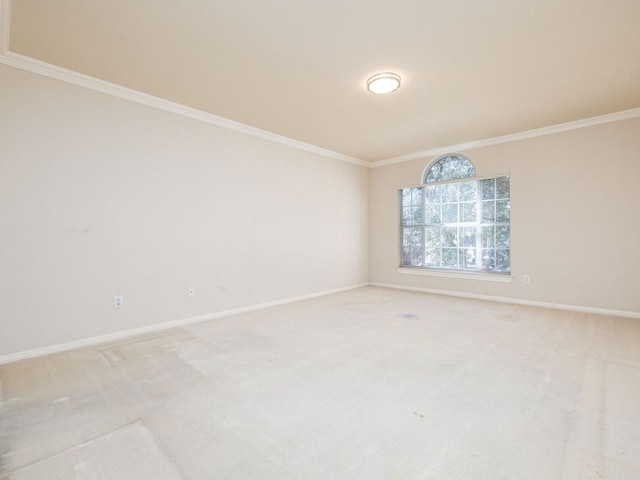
{"points": [[52, 71], [69, 76], [538, 132], [5, 15]]}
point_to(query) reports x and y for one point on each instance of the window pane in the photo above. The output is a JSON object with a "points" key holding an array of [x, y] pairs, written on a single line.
{"points": [[412, 246], [450, 213], [433, 214], [502, 236], [468, 237], [469, 212], [488, 188], [502, 211], [503, 263], [406, 197], [468, 259], [433, 257], [413, 235], [502, 187], [406, 215], [488, 237], [416, 196], [417, 215], [488, 259], [412, 256], [433, 237], [488, 211], [450, 167], [433, 193], [449, 258], [412, 216], [450, 192], [450, 237], [468, 191]]}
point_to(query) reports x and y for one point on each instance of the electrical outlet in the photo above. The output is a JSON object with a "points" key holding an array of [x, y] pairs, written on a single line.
{"points": [[526, 279], [191, 291], [118, 301]]}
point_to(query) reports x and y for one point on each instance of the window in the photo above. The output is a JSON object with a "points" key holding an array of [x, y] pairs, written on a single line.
{"points": [[456, 221]]}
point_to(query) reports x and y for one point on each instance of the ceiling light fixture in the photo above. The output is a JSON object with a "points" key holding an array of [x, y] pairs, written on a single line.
{"points": [[382, 83]]}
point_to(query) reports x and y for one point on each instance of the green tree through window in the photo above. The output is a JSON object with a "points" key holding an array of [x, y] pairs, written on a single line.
{"points": [[456, 222], [449, 167]]}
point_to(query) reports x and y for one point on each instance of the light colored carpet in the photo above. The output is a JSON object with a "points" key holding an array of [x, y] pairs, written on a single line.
{"points": [[371, 384]]}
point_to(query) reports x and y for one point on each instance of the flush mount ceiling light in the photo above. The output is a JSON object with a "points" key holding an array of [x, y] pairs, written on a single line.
{"points": [[382, 83]]}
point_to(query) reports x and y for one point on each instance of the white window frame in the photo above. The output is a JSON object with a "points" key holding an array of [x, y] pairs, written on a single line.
{"points": [[444, 272]]}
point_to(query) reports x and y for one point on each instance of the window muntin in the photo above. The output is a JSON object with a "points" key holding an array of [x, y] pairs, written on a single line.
{"points": [[461, 225]]}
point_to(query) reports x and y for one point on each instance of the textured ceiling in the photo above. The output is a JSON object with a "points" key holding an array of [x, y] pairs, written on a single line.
{"points": [[471, 69]]}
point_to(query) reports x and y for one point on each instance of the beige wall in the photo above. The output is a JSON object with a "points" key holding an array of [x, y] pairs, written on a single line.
{"points": [[100, 196], [575, 198]]}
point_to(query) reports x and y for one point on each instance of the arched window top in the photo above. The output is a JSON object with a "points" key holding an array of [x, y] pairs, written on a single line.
{"points": [[449, 167]]}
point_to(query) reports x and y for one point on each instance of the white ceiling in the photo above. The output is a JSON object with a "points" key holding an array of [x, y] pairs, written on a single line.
{"points": [[471, 69]]}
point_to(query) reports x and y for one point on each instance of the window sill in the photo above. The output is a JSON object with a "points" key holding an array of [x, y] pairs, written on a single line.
{"points": [[487, 277]]}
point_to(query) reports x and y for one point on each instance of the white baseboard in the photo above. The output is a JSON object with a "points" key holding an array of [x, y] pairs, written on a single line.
{"points": [[110, 337], [517, 301], [87, 342]]}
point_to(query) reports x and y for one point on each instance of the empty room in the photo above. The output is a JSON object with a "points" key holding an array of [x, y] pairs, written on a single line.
{"points": [[303, 240]]}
